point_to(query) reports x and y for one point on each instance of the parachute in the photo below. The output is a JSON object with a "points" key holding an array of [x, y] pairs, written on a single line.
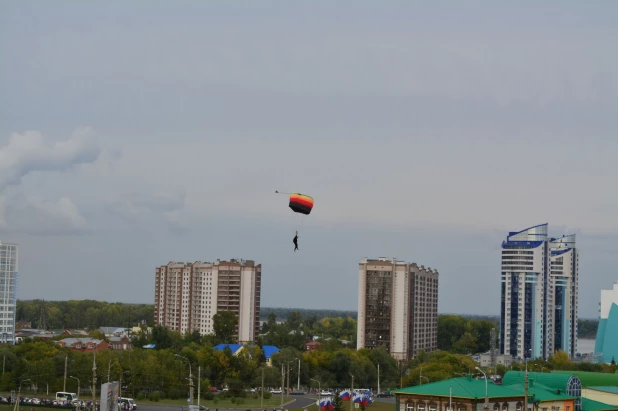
{"points": [[300, 203]]}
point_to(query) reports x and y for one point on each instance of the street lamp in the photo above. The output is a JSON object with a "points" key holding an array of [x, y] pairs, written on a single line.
{"points": [[18, 392], [319, 391], [486, 398], [109, 369], [298, 384], [75, 378], [190, 379], [288, 384]]}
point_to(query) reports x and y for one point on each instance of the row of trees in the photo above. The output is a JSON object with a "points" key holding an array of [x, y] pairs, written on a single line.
{"points": [[162, 372], [82, 314], [456, 332]]}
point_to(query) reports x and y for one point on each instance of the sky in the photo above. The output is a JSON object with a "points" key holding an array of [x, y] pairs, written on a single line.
{"points": [[133, 134]]}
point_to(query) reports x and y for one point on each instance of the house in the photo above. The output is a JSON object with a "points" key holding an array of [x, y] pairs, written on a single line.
{"points": [[468, 394], [312, 345], [84, 344], [268, 350], [21, 325], [114, 331], [460, 394], [567, 382], [501, 359], [597, 386], [120, 343]]}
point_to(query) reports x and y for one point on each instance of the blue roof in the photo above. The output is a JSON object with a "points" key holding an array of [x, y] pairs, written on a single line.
{"points": [[269, 350], [233, 347]]}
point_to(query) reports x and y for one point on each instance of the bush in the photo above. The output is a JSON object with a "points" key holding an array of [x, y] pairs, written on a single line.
{"points": [[216, 400], [140, 396], [209, 395], [267, 395], [175, 393], [155, 396]]}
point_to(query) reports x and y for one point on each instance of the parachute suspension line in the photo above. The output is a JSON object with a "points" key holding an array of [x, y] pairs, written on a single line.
{"points": [[282, 192]]}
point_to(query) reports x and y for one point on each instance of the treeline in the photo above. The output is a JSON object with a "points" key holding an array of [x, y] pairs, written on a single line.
{"points": [[83, 314], [587, 328], [91, 314], [284, 313], [160, 373]]}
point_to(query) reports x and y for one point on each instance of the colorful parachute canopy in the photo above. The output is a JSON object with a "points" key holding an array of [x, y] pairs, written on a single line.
{"points": [[300, 203]]}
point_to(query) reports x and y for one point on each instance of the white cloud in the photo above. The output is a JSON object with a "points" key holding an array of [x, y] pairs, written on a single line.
{"points": [[35, 216], [28, 152]]}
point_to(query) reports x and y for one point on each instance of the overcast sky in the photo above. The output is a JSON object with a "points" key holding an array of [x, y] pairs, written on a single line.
{"points": [[137, 133]]}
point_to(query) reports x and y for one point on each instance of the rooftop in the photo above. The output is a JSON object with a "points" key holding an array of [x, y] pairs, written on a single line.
{"points": [[549, 380], [592, 379], [463, 387]]}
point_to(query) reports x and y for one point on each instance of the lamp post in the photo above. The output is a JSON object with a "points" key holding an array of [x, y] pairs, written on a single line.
{"points": [[486, 397], [109, 369], [288, 383], [420, 377], [262, 391], [351, 393], [379, 378], [190, 379], [319, 391], [18, 392], [298, 383], [75, 378]]}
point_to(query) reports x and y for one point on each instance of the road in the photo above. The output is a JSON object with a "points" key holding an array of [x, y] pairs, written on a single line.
{"points": [[296, 401]]}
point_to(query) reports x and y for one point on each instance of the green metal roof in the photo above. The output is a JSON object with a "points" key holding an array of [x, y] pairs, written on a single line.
{"points": [[590, 379], [591, 405], [550, 380], [463, 387], [610, 389], [543, 393]]}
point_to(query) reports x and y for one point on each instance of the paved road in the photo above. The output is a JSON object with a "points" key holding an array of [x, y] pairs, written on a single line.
{"points": [[293, 401]]}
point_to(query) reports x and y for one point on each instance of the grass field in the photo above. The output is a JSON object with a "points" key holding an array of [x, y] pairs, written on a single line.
{"points": [[376, 406], [248, 402], [271, 403]]}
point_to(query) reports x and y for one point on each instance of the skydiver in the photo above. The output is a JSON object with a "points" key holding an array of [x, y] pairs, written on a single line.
{"points": [[295, 241]]}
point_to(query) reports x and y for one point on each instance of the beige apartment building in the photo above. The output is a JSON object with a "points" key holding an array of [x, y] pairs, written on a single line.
{"points": [[397, 307], [188, 295]]}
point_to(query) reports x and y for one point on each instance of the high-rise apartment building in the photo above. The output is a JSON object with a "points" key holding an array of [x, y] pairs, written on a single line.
{"points": [[8, 292], [538, 314], [188, 295], [397, 307]]}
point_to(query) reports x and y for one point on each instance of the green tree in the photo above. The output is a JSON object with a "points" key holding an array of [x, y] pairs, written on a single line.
{"points": [[338, 403], [224, 325]]}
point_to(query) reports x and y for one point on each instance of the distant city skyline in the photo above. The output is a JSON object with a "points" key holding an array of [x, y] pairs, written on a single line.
{"points": [[422, 130]]}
